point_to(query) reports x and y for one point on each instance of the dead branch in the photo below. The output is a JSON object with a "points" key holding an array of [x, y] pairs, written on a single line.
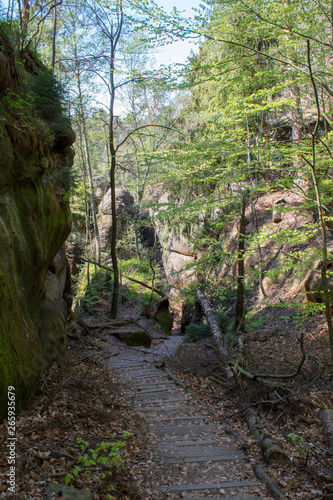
{"points": [[271, 484], [272, 450], [213, 324]]}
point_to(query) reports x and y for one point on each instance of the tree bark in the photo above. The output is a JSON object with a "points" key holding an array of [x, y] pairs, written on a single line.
{"points": [[213, 324], [272, 451], [326, 417], [112, 173], [322, 222], [239, 309], [271, 484], [86, 154], [54, 34]]}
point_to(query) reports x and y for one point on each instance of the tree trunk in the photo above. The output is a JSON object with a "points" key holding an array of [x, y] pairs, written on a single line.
{"points": [[86, 156], [112, 173], [326, 417], [271, 449], [322, 222], [239, 312], [54, 34], [213, 324], [271, 484]]}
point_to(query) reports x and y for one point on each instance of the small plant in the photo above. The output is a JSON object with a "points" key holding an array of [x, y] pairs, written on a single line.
{"points": [[254, 322], [300, 442], [99, 460], [99, 287], [18, 105]]}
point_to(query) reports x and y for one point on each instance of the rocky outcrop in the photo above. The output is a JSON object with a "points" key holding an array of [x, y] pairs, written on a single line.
{"points": [[125, 211], [35, 219], [55, 308], [133, 335], [177, 251]]}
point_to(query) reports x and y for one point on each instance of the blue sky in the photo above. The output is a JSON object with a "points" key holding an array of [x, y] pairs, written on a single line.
{"points": [[178, 51]]}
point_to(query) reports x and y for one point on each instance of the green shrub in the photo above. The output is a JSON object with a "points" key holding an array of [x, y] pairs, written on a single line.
{"points": [[48, 96], [326, 193], [99, 287], [225, 322], [194, 332]]}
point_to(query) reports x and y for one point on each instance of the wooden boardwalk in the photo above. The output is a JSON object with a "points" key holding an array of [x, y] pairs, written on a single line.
{"points": [[193, 457]]}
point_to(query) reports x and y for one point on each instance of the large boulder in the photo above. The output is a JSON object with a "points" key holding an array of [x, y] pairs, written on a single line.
{"points": [[133, 335]]}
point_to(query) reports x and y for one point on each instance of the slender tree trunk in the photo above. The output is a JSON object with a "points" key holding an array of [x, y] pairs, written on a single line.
{"points": [[322, 221], [54, 34], [239, 310], [26, 11], [87, 159], [115, 296]]}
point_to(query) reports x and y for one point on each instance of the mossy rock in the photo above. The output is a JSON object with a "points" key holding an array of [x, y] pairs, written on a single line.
{"points": [[34, 223], [134, 336], [164, 321], [4, 72]]}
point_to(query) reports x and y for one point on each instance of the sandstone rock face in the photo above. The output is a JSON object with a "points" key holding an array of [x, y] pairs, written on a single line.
{"points": [[313, 285], [133, 335], [177, 251], [35, 220], [125, 209], [163, 316], [55, 309]]}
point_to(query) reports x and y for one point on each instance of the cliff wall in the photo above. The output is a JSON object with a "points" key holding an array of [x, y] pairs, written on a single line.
{"points": [[35, 219]]}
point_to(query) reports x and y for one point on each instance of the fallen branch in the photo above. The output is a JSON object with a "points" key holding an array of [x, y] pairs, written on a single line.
{"points": [[213, 324], [272, 450], [271, 484]]}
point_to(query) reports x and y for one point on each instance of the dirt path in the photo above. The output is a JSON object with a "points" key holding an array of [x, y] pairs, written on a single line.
{"points": [[192, 457]]}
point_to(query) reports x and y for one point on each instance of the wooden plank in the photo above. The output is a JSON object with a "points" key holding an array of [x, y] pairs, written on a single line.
{"points": [[172, 419], [194, 460], [184, 429], [204, 452], [225, 498], [211, 486], [190, 443], [153, 391]]}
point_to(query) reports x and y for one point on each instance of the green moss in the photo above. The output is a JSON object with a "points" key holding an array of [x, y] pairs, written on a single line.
{"points": [[34, 223]]}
